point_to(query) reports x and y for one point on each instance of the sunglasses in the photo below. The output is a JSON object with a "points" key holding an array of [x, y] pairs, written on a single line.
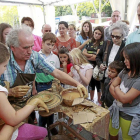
{"points": [[117, 37]]}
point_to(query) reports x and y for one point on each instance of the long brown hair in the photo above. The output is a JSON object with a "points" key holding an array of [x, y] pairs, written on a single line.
{"points": [[3, 26], [101, 29], [4, 53], [90, 30]]}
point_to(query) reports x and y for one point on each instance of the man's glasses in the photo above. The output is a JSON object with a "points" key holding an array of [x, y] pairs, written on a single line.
{"points": [[115, 36]]}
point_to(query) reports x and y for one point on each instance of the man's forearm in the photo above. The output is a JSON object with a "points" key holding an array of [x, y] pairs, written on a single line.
{"points": [[64, 78]]}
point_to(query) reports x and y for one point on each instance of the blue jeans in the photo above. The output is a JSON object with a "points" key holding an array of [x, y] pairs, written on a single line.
{"points": [[42, 87], [44, 120]]}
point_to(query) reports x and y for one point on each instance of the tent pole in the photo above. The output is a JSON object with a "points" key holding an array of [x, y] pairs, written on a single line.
{"points": [[44, 14], [125, 13], [43, 11]]}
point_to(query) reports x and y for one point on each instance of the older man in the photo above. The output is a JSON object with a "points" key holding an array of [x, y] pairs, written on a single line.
{"points": [[23, 64], [114, 18], [135, 36], [45, 28]]}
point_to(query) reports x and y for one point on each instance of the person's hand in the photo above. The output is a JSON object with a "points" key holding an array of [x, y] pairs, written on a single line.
{"points": [[77, 68], [64, 64], [85, 51], [82, 90], [87, 41], [102, 67], [36, 102], [19, 91]]}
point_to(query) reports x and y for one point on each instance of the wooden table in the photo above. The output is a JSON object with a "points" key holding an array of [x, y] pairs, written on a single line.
{"points": [[100, 124]]}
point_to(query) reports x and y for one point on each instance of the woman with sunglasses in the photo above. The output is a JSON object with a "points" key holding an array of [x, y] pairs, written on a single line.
{"points": [[118, 31]]}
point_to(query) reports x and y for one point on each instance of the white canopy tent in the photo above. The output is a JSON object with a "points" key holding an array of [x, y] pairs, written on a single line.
{"points": [[27, 8], [128, 9]]}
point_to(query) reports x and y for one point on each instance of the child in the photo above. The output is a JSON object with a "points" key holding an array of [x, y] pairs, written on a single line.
{"points": [[81, 69], [63, 55], [91, 49], [44, 82], [113, 70], [9, 117], [125, 111]]}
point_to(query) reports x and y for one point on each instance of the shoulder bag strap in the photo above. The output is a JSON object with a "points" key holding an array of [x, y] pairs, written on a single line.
{"points": [[105, 53]]}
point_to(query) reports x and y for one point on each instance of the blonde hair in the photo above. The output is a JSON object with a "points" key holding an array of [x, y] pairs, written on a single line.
{"points": [[77, 53]]}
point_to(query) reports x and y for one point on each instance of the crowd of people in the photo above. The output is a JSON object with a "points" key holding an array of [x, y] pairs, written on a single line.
{"points": [[29, 63]]}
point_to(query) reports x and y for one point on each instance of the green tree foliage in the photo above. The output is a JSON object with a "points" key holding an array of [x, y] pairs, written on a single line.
{"points": [[86, 8], [83, 9], [107, 8], [9, 14], [63, 10]]}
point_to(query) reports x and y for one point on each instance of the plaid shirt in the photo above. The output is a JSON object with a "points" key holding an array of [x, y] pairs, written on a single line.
{"points": [[39, 65]]}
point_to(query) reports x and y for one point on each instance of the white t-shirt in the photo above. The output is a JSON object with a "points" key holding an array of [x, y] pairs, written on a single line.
{"points": [[15, 134], [52, 58], [112, 56]]}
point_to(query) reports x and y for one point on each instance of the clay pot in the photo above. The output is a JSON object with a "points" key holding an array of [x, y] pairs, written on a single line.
{"points": [[69, 95]]}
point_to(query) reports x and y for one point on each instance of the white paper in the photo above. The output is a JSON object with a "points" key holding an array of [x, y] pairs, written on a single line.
{"points": [[77, 101]]}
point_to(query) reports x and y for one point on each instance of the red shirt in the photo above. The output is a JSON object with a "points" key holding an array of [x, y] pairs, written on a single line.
{"points": [[68, 67], [70, 44]]}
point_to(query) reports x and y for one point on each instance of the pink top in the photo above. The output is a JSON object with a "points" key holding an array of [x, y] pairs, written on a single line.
{"points": [[70, 44], [83, 69], [37, 43]]}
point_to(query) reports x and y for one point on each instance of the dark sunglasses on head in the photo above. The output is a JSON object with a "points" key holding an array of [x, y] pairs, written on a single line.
{"points": [[115, 36]]}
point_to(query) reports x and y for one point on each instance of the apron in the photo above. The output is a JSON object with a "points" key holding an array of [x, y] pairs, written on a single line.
{"points": [[22, 79]]}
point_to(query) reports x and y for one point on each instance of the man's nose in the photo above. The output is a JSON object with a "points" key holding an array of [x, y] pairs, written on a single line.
{"points": [[30, 50]]}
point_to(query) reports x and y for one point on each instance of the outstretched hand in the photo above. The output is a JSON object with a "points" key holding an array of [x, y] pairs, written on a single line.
{"points": [[82, 90], [38, 103]]}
